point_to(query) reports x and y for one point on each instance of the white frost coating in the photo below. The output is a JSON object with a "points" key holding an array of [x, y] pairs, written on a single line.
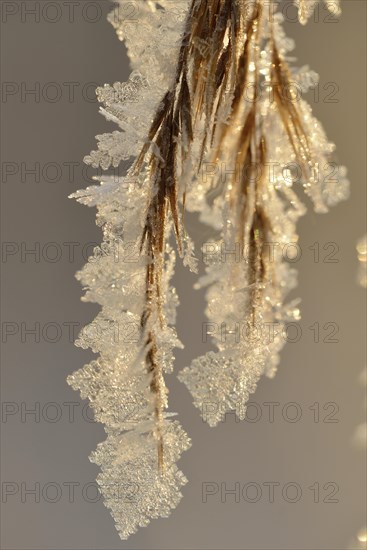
{"points": [[117, 383], [135, 486], [247, 311], [306, 8], [197, 139]]}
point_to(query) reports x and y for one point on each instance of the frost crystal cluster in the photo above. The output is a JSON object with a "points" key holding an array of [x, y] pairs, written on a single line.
{"points": [[212, 120]]}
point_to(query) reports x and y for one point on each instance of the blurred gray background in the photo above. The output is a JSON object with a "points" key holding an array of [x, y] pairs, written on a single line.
{"points": [[63, 55]]}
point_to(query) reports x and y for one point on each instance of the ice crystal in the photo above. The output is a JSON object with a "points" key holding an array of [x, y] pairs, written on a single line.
{"points": [[133, 334], [139, 478], [306, 8], [266, 145], [212, 120]]}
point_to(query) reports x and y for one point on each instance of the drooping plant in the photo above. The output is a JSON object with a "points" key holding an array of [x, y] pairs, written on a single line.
{"points": [[212, 120]]}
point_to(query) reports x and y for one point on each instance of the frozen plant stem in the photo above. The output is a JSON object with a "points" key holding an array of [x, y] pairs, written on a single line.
{"points": [[269, 143], [191, 103]]}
